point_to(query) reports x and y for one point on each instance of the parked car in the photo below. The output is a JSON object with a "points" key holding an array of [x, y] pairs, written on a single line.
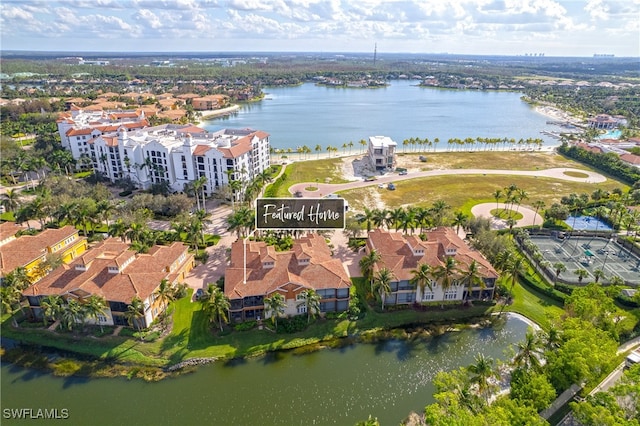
{"points": [[298, 194], [370, 178], [391, 187], [199, 294], [402, 173]]}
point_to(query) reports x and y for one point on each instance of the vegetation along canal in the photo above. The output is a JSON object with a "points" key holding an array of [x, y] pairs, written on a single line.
{"points": [[387, 379]]}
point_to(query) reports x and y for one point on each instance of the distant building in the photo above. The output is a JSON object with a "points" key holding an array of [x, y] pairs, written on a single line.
{"points": [[207, 103], [119, 144], [114, 272], [382, 152], [179, 155], [308, 265], [605, 121], [402, 254]]}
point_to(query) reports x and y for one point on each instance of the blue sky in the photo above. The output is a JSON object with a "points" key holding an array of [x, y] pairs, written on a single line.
{"points": [[507, 27]]}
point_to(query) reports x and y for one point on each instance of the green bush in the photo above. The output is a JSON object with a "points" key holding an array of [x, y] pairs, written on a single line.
{"points": [[244, 326], [293, 324], [125, 193], [551, 292]]}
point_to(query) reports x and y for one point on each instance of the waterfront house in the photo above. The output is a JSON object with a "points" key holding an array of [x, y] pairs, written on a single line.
{"points": [[382, 152], [29, 251], [116, 273], [308, 265], [211, 102], [402, 254]]}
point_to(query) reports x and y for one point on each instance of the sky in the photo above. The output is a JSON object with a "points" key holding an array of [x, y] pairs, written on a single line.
{"points": [[485, 27]]}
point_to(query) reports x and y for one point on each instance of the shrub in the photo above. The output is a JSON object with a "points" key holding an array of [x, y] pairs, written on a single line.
{"points": [[244, 326], [543, 288], [293, 324]]}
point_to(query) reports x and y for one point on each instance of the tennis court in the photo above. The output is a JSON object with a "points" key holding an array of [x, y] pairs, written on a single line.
{"points": [[590, 253]]}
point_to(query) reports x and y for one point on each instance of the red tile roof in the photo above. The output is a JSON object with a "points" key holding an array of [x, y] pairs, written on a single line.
{"points": [[28, 248], [9, 229], [397, 251], [241, 145], [322, 271], [138, 278], [631, 158]]}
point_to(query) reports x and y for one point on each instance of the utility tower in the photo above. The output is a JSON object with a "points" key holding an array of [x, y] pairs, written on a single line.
{"points": [[375, 53]]}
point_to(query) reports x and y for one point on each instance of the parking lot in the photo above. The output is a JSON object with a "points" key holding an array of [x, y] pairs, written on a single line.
{"points": [[588, 253]]}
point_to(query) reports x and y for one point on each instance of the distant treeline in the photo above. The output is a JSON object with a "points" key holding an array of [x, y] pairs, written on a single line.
{"points": [[609, 163]]}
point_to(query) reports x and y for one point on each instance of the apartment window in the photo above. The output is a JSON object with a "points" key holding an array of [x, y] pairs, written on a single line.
{"points": [[450, 295], [302, 309], [428, 295]]}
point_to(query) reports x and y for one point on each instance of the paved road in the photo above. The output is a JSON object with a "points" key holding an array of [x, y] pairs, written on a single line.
{"points": [[325, 189]]}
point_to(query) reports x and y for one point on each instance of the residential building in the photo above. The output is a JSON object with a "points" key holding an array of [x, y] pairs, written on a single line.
{"points": [[308, 265], [605, 121], [210, 102], [179, 155], [116, 273], [382, 152], [78, 126], [29, 251], [8, 231], [402, 254]]}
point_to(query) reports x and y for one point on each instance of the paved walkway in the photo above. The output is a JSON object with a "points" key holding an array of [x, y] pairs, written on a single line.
{"points": [[529, 217], [325, 189]]}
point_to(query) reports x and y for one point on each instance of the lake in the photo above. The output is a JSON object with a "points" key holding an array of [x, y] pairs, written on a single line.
{"points": [[309, 115], [337, 386]]}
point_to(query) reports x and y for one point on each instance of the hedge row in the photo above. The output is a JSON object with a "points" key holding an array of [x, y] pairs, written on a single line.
{"points": [[551, 292]]}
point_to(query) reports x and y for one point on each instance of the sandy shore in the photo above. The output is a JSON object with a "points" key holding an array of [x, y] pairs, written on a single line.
{"points": [[558, 114], [213, 113]]}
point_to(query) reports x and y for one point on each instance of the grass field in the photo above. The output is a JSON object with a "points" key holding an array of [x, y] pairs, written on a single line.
{"points": [[470, 190]]}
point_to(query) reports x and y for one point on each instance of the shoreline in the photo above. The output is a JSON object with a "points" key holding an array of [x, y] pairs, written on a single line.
{"points": [[215, 113]]}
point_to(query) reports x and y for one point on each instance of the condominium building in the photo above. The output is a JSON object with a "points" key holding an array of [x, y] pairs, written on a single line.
{"points": [[113, 271], [402, 254], [170, 153], [258, 271]]}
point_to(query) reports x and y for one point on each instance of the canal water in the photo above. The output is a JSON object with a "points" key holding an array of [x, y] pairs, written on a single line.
{"points": [[337, 386], [310, 115]]}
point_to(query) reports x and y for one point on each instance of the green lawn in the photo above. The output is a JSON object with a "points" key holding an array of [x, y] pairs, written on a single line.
{"points": [[537, 307], [467, 190]]}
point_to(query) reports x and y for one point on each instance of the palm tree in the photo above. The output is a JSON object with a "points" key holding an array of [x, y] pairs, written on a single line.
{"points": [[274, 306], [439, 210], [581, 273], [444, 274], [598, 274], [311, 302], [481, 374], [118, 229], [51, 308], [367, 263], [514, 268], [366, 217], [134, 312], [421, 278], [363, 143], [382, 283], [216, 305], [164, 293], [472, 278], [11, 301], [94, 308], [11, 199], [537, 205], [528, 352], [559, 268], [459, 219], [72, 313]]}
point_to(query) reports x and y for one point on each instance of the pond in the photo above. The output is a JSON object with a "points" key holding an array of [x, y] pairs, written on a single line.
{"points": [[338, 386]]}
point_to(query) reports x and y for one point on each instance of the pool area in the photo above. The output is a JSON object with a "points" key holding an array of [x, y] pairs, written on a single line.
{"points": [[587, 223], [611, 134]]}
